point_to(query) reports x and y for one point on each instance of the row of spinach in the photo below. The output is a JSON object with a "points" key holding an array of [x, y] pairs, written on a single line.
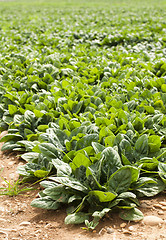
{"points": [[83, 98]]}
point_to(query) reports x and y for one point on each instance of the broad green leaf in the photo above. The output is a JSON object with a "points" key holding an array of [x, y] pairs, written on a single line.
{"points": [[12, 109], [46, 203], [141, 144], [142, 181], [120, 181], [138, 124], [7, 119], [126, 150], [133, 214], [86, 141], [10, 145], [80, 160], [63, 168], [76, 218], [150, 189], [162, 171], [57, 193], [28, 145], [48, 184], [154, 143], [97, 147], [103, 196], [110, 161], [101, 214], [8, 137], [41, 173], [70, 182], [148, 163], [73, 198], [29, 117], [42, 128], [48, 150], [30, 156], [126, 195], [94, 173]]}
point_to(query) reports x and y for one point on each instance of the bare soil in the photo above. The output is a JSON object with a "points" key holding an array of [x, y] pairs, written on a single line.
{"points": [[19, 221]]}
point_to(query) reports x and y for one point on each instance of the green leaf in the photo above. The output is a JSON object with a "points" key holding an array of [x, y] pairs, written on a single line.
{"points": [[133, 214], [103, 196], [150, 189], [162, 171], [41, 173], [76, 218], [127, 195], [148, 163], [46, 203], [10, 145], [120, 181], [12, 109], [141, 144], [154, 143], [63, 169], [97, 147], [7, 119], [80, 160], [8, 137], [142, 181], [48, 184], [100, 214], [29, 117], [30, 156], [70, 182], [42, 128], [48, 150], [87, 140], [110, 161], [57, 193]]}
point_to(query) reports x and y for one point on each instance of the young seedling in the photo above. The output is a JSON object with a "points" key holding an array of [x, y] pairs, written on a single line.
{"points": [[13, 188]]}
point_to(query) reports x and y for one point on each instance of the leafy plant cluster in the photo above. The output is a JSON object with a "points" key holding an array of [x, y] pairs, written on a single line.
{"points": [[83, 97]]}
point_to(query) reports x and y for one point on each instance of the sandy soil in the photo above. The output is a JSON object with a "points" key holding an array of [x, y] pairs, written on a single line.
{"points": [[19, 221]]}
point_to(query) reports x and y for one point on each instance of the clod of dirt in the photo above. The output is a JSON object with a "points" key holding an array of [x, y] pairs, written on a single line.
{"points": [[123, 225], [163, 203], [145, 205], [127, 232], [109, 230], [3, 220], [163, 208], [131, 228], [157, 205], [25, 224], [161, 212], [152, 220]]}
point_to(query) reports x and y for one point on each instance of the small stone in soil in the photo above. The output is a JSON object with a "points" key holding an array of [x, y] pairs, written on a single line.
{"points": [[123, 225], [152, 220], [160, 212], [157, 205], [144, 205], [163, 203], [163, 208], [25, 224], [3, 220], [11, 163], [131, 228], [127, 232], [109, 230]]}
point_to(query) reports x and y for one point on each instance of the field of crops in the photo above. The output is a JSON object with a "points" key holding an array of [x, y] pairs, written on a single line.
{"points": [[83, 97]]}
